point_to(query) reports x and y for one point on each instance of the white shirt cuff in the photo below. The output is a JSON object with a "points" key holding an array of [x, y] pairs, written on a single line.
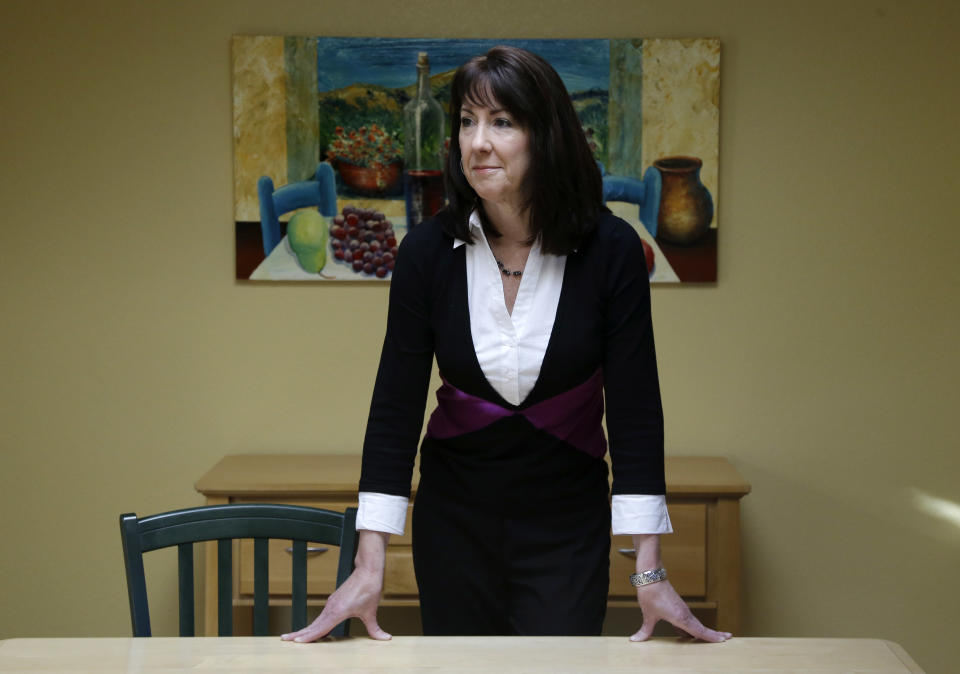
{"points": [[382, 512], [639, 514]]}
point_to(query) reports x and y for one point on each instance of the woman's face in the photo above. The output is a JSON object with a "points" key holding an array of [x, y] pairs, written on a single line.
{"points": [[495, 153]]}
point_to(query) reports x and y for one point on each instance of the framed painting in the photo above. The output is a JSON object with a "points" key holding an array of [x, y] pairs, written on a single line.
{"points": [[318, 124]]}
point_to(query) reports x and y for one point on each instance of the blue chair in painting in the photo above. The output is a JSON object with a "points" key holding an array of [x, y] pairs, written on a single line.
{"points": [[645, 193], [320, 192]]}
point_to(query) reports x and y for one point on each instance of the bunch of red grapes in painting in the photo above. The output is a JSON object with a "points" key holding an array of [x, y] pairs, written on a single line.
{"points": [[364, 240]]}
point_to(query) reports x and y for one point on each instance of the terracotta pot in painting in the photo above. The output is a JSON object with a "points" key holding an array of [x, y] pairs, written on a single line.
{"points": [[686, 207], [370, 179]]}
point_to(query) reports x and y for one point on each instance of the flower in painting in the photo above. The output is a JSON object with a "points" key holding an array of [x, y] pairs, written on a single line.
{"points": [[365, 146]]}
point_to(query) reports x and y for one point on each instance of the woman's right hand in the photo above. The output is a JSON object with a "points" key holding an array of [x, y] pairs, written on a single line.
{"points": [[359, 595]]}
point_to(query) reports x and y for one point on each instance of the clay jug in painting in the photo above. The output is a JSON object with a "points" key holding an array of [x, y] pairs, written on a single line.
{"points": [[686, 207]]}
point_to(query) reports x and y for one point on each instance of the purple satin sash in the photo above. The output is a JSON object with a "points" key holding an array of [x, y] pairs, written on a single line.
{"points": [[573, 416]]}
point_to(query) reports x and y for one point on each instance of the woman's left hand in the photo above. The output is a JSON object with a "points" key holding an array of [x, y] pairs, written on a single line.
{"points": [[659, 601]]}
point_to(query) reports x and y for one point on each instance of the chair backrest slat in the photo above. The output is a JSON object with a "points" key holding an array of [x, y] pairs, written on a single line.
{"points": [[299, 586], [224, 523], [185, 574], [261, 591], [225, 587]]}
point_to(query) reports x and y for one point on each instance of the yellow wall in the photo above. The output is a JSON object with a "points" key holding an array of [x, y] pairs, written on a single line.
{"points": [[824, 363]]}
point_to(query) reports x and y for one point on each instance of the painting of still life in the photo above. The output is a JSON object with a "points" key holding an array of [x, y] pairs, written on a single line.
{"points": [[339, 144]]}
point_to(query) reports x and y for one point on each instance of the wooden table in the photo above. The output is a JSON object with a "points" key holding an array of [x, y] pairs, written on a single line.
{"points": [[702, 556], [505, 655]]}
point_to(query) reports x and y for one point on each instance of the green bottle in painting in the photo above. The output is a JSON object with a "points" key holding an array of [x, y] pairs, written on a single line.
{"points": [[423, 142]]}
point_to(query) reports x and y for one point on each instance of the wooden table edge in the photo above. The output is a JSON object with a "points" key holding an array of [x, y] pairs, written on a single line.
{"points": [[903, 656]]}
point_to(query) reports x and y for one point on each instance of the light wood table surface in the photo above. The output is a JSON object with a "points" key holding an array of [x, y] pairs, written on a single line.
{"points": [[504, 655]]}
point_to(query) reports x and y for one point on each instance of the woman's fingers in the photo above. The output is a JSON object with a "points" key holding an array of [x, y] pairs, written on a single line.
{"points": [[317, 629], [374, 629], [695, 629], [684, 629], [645, 631]]}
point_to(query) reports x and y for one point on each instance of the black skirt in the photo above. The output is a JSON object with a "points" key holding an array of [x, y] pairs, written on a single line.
{"points": [[511, 534]]}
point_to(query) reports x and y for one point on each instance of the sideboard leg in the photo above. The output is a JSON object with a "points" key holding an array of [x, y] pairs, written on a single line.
{"points": [[723, 582]]}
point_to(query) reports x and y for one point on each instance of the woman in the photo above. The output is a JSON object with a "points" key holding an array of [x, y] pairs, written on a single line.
{"points": [[534, 300]]}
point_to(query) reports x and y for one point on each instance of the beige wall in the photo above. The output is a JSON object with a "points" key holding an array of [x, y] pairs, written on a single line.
{"points": [[824, 363]]}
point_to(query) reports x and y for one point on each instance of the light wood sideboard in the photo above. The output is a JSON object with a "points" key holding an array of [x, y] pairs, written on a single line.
{"points": [[702, 555]]}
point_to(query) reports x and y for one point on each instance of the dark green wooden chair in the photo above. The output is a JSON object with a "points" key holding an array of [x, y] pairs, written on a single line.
{"points": [[223, 523]]}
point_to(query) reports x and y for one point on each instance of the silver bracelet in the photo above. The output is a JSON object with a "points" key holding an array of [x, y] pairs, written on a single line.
{"points": [[647, 577]]}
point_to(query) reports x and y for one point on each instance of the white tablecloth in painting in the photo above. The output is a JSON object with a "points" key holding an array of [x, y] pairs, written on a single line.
{"points": [[281, 264]]}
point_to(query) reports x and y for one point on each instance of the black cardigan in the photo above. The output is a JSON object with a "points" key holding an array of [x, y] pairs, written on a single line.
{"points": [[603, 321]]}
